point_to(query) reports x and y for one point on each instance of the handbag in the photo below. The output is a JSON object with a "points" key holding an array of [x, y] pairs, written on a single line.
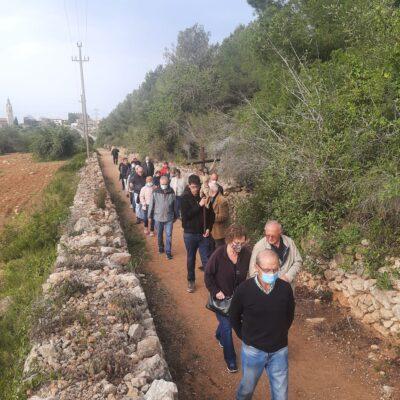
{"points": [[219, 306]]}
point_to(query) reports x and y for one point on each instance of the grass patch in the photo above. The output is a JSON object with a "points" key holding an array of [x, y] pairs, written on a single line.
{"points": [[27, 255], [101, 198]]}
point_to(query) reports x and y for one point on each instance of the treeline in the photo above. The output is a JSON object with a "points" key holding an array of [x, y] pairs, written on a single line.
{"points": [[46, 143], [302, 105]]}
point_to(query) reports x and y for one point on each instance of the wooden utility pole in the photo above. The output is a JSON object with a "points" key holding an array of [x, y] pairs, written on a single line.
{"points": [[83, 95]]}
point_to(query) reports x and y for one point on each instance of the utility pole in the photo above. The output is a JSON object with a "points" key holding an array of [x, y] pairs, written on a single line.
{"points": [[83, 95]]}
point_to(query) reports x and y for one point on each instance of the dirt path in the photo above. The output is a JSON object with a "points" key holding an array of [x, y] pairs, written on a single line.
{"points": [[327, 363], [21, 182]]}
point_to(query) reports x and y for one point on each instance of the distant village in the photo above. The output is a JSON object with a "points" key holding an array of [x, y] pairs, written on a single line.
{"points": [[74, 121]]}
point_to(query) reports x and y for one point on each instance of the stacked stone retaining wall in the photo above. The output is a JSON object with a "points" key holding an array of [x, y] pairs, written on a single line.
{"points": [[94, 337]]}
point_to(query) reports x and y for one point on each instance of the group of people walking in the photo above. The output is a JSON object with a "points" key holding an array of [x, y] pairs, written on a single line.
{"points": [[250, 291]]}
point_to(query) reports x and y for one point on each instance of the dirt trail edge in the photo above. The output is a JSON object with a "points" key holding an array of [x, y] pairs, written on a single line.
{"points": [[323, 365]]}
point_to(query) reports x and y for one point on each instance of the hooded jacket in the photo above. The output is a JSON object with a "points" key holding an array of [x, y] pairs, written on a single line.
{"points": [[162, 205], [195, 219]]}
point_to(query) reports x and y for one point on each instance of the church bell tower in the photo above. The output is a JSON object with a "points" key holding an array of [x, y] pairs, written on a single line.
{"points": [[10, 114]]}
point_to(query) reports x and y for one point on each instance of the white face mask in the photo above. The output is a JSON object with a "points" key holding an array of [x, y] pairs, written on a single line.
{"points": [[149, 184], [163, 187]]}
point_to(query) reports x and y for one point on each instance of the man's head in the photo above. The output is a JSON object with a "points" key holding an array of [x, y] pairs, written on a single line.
{"points": [[214, 177], [139, 170], [125, 160], [267, 263], [213, 188], [194, 184], [137, 167], [149, 180], [147, 159], [173, 171], [273, 232], [164, 182]]}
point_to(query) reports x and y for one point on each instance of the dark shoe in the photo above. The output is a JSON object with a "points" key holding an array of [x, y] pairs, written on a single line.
{"points": [[190, 288], [161, 250], [220, 344], [169, 256], [232, 369]]}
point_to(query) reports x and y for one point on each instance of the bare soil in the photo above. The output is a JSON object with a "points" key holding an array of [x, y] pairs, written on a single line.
{"points": [[22, 180], [328, 361]]}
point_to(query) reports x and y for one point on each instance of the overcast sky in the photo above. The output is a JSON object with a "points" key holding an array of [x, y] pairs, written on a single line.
{"points": [[123, 38]]}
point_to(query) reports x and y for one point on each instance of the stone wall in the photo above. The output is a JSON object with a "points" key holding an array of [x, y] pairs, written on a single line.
{"points": [[94, 337], [351, 287]]}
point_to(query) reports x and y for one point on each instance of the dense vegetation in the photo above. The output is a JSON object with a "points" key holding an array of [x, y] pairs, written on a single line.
{"points": [[27, 254], [46, 143], [302, 105]]}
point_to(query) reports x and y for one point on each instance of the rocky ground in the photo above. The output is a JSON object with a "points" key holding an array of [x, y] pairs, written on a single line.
{"points": [[93, 336]]}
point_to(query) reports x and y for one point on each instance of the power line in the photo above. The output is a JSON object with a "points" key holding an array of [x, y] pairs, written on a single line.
{"points": [[83, 95]]}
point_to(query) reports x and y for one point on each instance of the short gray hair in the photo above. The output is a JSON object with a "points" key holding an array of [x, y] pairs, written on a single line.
{"points": [[267, 253], [164, 179], [273, 222]]}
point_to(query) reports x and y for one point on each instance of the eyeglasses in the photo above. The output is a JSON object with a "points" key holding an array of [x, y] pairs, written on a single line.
{"points": [[273, 270], [239, 243]]}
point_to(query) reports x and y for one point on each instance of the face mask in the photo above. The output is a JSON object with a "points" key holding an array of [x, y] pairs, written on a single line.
{"points": [[269, 278], [163, 187], [237, 247], [149, 184]]}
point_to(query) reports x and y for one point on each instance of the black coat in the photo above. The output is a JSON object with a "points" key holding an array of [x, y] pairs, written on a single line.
{"points": [[195, 219], [148, 169], [138, 182], [124, 170]]}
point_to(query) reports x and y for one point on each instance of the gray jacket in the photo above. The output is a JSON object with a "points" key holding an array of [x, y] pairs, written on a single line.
{"points": [[162, 206]]}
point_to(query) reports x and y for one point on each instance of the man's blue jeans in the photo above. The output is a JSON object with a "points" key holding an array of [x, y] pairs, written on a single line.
{"points": [[168, 233], [194, 241], [224, 335], [275, 364]]}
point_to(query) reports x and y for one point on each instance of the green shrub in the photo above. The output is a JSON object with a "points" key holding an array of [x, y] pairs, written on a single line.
{"points": [[56, 143]]}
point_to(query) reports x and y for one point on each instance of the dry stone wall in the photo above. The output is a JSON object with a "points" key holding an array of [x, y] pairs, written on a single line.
{"points": [[94, 337], [351, 286]]}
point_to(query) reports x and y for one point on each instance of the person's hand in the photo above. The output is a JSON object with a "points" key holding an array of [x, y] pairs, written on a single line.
{"points": [[220, 295], [284, 277], [207, 233], [203, 202]]}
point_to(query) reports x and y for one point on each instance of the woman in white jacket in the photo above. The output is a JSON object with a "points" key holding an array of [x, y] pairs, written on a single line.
{"points": [[146, 196], [178, 184]]}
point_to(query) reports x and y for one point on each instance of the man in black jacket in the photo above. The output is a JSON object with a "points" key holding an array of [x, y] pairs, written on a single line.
{"points": [[114, 153], [197, 222], [124, 171], [261, 313], [148, 167]]}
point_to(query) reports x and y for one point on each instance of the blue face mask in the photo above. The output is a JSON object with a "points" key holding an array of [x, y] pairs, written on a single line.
{"points": [[269, 278]]}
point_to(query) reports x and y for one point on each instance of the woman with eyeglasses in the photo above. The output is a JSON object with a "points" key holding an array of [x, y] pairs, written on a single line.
{"points": [[226, 269]]}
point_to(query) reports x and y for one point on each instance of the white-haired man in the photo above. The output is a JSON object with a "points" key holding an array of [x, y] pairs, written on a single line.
{"points": [[289, 257]]}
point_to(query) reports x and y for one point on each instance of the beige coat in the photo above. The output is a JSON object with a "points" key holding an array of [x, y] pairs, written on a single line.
{"points": [[293, 262], [221, 211]]}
